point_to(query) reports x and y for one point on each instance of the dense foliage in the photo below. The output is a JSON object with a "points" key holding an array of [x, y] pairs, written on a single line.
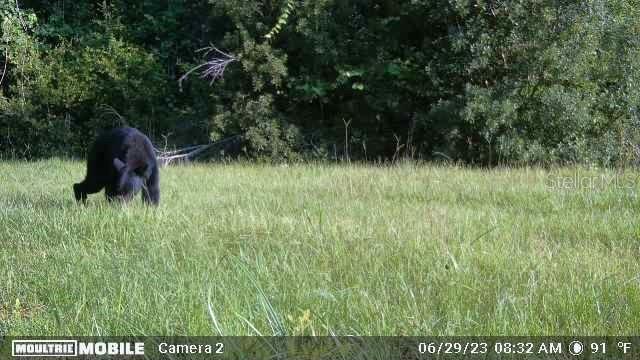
{"points": [[484, 81]]}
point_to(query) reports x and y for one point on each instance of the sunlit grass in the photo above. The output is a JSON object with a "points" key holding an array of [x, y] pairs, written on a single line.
{"points": [[322, 249]]}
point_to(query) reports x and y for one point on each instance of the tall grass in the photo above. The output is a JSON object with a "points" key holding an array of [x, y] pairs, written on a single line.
{"points": [[319, 249]]}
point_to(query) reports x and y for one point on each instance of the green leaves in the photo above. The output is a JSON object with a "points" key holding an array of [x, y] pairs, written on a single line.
{"points": [[282, 20], [482, 81], [555, 78]]}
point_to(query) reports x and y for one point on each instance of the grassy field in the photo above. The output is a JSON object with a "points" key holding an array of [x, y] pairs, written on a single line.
{"points": [[320, 249]]}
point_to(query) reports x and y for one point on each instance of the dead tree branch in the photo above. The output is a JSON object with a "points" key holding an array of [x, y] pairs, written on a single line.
{"points": [[178, 151], [214, 68], [189, 153]]}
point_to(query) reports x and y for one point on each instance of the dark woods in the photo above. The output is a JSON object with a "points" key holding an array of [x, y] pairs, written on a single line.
{"points": [[484, 82]]}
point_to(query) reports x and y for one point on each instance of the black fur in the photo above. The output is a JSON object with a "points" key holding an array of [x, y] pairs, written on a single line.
{"points": [[123, 162]]}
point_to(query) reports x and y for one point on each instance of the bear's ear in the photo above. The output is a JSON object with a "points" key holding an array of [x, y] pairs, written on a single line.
{"points": [[118, 164]]}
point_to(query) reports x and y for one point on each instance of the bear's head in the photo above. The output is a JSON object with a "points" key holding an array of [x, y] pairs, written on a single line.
{"points": [[130, 182]]}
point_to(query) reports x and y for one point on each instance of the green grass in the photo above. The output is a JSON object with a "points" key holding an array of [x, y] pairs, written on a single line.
{"points": [[319, 249]]}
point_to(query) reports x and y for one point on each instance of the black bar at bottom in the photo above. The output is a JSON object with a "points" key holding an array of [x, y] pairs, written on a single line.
{"points": [[312, 348]]}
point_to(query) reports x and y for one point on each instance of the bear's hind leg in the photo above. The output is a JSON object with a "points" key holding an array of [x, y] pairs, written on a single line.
{"points": [[79, 193], [81, 190], [151, 192]]}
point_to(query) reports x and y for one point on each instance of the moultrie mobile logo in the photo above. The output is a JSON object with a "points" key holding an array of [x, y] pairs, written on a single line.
{"points": [[44, 348], [68, 348]]}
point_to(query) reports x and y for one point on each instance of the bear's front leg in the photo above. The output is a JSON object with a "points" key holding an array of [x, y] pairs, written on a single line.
{"points": [[79, 193]]}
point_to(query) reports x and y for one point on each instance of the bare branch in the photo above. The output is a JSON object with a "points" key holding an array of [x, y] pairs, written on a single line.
{"points": [[214, 68], [211, 48], [178, 151], [191, 152]]}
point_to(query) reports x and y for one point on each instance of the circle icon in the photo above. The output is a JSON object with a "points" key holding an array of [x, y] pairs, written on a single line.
{"points": [[576, 348]]}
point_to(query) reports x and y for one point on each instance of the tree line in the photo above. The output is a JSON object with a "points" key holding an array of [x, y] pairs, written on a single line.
{"points": [[479, 81]]}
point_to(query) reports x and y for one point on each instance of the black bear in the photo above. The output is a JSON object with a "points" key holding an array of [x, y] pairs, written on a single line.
{"points": [[123, 162]]}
